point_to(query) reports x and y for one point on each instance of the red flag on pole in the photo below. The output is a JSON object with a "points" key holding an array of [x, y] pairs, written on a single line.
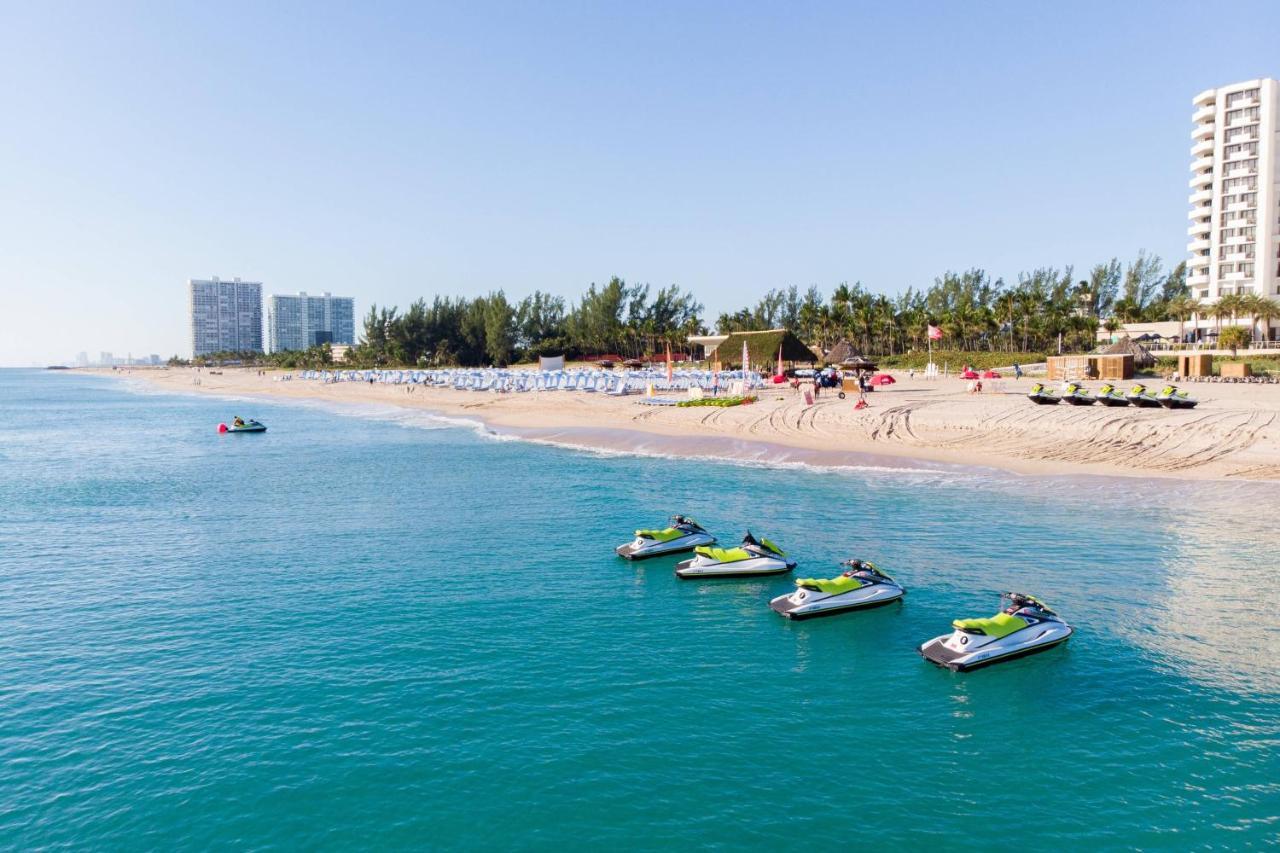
{"points": [[669, 367], [779, 371], [935, 333]]}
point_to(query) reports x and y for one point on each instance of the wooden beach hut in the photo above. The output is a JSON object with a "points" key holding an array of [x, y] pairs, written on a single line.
{"points": [[843, 354], [1142, 357], [1096, 366], [1195, 364], [762, 348]]}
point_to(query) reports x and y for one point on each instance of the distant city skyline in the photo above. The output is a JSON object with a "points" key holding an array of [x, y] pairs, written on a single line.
{"points": [[401, 151]]}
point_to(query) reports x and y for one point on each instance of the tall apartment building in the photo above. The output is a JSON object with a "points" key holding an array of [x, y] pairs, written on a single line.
{"points": [[1235, 193], [301, 321], [226, 316]]}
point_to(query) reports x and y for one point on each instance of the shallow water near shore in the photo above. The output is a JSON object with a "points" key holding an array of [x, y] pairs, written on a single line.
{"points": [[393, 630]]}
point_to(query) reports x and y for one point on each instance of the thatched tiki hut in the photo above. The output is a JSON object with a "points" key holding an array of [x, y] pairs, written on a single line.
{"points": [[1142, 357], [762, 348], [844, 355]]}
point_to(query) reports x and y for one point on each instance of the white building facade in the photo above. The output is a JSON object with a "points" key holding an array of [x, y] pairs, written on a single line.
{"points": [[1234, 236], [295, 322], [226, 316]]}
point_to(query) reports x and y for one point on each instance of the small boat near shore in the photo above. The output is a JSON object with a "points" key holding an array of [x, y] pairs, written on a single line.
{"points": [[243, 426]]}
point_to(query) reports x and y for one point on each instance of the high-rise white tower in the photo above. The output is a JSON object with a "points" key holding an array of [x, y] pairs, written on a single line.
{"points": [[1235, 198], [298, 322], [226, 316]]}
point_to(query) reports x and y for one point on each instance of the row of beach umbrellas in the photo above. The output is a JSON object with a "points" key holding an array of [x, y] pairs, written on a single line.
{"points": [[575, 379]]}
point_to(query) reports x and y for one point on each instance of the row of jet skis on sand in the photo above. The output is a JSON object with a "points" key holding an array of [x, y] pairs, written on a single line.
{"points": [[1074, 394], [1023, 626]]}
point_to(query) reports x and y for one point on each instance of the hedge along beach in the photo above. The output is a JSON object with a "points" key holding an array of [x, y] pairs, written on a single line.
{"points": [[1233, 434]]}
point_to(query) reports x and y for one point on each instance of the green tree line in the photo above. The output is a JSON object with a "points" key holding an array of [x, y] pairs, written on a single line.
{"points": [[1035, 313], [978, 313]]}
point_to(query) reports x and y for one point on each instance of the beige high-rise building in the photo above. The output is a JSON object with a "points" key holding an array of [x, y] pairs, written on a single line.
{"points": [[1235, 194]]}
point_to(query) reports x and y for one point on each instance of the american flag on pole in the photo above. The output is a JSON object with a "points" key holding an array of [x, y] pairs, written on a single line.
{"points": [[935, 333]]}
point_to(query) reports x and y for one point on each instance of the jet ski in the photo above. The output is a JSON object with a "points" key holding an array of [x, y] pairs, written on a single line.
{"points": [[1024, 627], [1075, 394], [1142, 398], [863, 585], [1042, 395], [752, 557], [1109, 396], [244, 426], [684, 534], [1171, 398]]}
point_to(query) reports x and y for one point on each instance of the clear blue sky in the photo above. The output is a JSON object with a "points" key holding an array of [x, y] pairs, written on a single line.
{"points": [[387, 151]]}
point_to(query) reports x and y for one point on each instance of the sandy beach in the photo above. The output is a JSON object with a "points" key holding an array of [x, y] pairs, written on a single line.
{"points": [[1233, 433]]}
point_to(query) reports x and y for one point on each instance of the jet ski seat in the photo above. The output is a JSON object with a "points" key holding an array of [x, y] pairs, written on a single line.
{"points": [[1000, 625], [661, 535], [724, 555], [834, 585]]}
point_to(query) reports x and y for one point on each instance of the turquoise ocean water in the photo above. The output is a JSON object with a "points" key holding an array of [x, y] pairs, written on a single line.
{"points": [[379, 629]]}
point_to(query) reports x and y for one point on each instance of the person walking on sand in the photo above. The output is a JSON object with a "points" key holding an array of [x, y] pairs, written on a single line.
{"points": [[1017, 370]]}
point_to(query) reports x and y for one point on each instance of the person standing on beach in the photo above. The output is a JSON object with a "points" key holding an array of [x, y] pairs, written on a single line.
{"points": [[1017, 371]]}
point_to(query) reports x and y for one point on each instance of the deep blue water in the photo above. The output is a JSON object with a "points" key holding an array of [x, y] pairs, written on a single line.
{"points": [[389, 631]]}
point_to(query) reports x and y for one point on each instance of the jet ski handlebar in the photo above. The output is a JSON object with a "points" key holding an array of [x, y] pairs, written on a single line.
{"points": [[1021, 599]]}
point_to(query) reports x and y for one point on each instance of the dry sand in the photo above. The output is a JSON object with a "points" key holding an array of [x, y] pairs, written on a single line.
{"points": [[1233, 433]]}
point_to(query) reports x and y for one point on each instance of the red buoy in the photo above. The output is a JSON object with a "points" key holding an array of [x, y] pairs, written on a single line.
{"points": [[222, 427]]}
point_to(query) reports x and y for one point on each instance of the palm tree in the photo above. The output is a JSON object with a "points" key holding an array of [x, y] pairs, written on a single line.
{"points": [[1265, 311], [1182, 308], [1128, 310], [1226, 306]]}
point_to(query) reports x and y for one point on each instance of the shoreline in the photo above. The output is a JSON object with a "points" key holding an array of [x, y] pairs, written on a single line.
{"points": [[915, 425]]}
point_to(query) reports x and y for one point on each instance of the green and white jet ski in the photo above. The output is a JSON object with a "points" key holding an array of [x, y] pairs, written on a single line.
{"points": [[1171, 398], [1076, 395], [1108, 395], [1142, 398], [684, 534], [1042, 395], [862, 586], [753, 557], [246, 426], [1024, 627]]}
